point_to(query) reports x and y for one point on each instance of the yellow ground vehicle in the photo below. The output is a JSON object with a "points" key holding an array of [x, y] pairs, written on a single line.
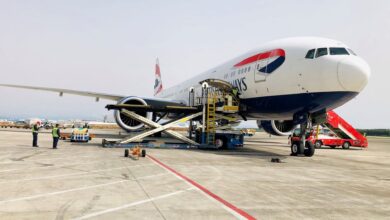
{"points": [[248, 132]]}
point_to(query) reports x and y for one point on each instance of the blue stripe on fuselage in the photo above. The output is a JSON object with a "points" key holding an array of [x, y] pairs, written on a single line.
{"points": [[273, 65], [285, 106]]}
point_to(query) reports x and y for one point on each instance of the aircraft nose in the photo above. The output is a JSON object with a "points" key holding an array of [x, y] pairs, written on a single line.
{"points": [[353, 73]]}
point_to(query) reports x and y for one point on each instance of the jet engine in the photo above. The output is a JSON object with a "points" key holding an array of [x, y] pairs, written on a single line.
{"points": [[277, 127], [129, 124]]}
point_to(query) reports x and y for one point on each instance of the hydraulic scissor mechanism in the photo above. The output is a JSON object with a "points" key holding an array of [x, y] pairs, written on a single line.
{"points": [[158, 128]]}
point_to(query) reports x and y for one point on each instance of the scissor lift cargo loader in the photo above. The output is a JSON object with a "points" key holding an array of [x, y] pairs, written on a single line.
{"points": [[205, 109]]}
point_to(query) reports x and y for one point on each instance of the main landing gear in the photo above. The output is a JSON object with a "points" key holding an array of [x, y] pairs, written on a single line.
{"points": [[302, 146]]}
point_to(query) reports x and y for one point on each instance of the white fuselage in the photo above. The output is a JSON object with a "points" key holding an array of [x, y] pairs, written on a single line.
{"points": [[276, 80]]}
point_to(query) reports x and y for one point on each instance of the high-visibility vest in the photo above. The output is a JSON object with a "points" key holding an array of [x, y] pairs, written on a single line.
{"points": [[34, 130], [54, 132], [235, 91]]}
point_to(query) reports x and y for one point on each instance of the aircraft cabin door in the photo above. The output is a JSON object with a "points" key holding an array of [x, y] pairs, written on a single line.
{"points": [[260, 64]]}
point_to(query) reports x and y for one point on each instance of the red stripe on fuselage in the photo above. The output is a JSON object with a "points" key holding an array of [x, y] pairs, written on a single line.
{"points": [[261, 56]]}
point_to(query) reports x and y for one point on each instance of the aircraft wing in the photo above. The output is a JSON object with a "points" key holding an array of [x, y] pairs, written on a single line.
{"points": [[68, 91]]}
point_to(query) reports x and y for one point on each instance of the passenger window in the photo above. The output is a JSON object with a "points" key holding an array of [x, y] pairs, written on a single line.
{"points": [[321, 52], [310, 54], [338, 51], [249, 68]]}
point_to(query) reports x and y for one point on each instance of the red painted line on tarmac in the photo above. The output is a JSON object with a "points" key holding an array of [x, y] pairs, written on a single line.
{"points": [[208, 192]]}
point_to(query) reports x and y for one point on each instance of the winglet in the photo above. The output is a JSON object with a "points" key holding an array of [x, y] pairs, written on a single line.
{"points": [[158, 87]]}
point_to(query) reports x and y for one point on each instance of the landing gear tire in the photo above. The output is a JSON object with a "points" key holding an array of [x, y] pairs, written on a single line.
{"points": [[143, 153], [333, 147], [297, 148], [219, 143], [126, 153], [346, 145], [310, 149], [318, 144], [294, 148]]}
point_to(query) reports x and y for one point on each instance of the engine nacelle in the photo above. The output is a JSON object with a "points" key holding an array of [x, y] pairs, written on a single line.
{"points": [[127, 123], [277, 127]]}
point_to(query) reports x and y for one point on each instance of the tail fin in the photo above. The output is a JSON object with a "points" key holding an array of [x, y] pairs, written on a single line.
{"points": [[158, 87]]}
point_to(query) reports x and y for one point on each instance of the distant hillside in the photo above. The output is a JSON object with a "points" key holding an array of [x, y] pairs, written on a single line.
{"points": [[375, 132]]}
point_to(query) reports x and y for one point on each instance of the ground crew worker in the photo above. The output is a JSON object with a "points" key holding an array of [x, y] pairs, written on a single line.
{"points": [[56, 136], [35, 129]]}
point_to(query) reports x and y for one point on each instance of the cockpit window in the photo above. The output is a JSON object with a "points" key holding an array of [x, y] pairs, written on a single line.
{"points": [[310, 54], [321, 52], [338, 51], [351, 52]]}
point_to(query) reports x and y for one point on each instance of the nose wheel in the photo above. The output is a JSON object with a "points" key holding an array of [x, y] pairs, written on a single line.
{"points": [[297, 148], [309, 149], [301, 146]]}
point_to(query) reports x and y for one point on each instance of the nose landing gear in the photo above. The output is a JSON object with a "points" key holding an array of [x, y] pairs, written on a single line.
{"points": [[300, 146]]}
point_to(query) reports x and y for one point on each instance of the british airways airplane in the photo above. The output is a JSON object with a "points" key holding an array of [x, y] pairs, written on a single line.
{"points": [[282, 83]]}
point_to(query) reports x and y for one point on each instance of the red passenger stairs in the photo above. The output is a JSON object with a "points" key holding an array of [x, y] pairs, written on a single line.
{"points": [[344, 130]]}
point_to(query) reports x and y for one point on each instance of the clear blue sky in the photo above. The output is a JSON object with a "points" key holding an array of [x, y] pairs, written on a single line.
{"points": [[111, 46]]}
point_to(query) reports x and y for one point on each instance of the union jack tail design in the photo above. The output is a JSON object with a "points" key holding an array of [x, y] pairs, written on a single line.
{"points": [[158, 87]]}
